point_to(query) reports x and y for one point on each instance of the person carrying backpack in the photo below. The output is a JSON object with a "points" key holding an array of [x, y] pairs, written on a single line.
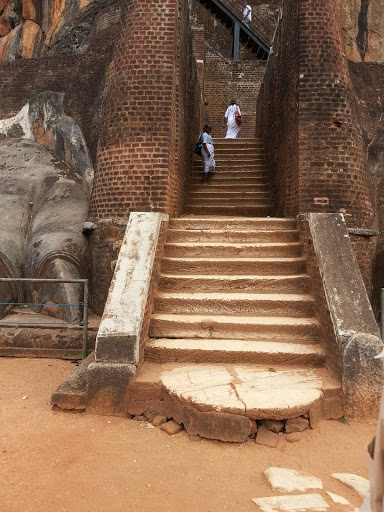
{"points": [[207, 152]]}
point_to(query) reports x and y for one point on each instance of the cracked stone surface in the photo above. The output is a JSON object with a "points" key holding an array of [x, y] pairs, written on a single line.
{"points": [[244, 390], [298, 503], [290, 480], [356, 482]]}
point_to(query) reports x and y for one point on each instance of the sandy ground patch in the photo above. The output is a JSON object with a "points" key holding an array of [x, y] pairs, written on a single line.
{"points": [[56, 462]]}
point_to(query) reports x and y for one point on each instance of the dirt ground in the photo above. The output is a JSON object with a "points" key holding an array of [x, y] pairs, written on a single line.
{"points": [[56, 462]]}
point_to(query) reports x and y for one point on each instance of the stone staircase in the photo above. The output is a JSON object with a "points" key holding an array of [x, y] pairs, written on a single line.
{"points": [[233, 333]]}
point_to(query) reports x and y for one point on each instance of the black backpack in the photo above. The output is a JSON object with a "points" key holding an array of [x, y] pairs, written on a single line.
{"points": [[198, 146]]}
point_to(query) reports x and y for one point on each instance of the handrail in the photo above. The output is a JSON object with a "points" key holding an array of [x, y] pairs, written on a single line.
{"points": [[255, 23], [84, 322]]}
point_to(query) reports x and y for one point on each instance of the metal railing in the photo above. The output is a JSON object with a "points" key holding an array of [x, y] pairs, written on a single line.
{"points": [[84, 304], [257, 25]]}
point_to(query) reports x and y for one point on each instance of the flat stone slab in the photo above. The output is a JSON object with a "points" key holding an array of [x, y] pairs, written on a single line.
{"points": [[244, 390], [338, 499], [355, 482], [290, 480], [298, 503]]}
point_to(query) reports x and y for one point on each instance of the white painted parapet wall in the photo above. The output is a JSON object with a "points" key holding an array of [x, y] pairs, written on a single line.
{"points": [[120, 336]]}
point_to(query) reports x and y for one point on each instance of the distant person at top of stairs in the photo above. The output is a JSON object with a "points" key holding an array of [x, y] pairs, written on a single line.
{"points": [[247, 13], [207, 152], [233, 128]]}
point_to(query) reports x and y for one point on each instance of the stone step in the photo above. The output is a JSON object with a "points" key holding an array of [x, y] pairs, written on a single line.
{"points": [[228, 201], [246, 209], [208, 194], [222, 235], [256, 284], [231, 223], [234, 266], [246, 250], [231, 179], [256, 164], [216, 401], [217, 186], [232, 303], [227, 173], [287, 329], [230, 351], [239, 161]]}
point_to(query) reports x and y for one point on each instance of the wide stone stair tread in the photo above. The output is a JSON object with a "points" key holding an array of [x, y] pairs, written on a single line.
{"points": [[217, 222], [249, 390], [228, 201], [248, 250], [239, 266], [236, 283], [234, 303], [247, 209], [166, 325], [233, 351], [235, 236]]}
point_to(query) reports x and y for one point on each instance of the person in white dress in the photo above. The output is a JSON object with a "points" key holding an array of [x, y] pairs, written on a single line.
{"points": [[247, 13], [207, 152], [233, 128]]}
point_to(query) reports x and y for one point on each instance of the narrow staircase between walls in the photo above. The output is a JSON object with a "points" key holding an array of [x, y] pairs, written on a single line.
{"points": [[233, 339]]}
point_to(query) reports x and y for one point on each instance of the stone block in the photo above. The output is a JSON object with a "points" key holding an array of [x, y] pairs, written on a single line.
{"points": [[275, 426], [217, 425], [253, 428], [171, 427], [294, 437], [316, 414], [362, 376], [333, 408], [108, 388], [266, 437], [159, 420], [296, 425]]}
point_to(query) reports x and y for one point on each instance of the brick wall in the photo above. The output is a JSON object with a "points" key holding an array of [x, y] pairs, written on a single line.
{"points": [[150, 116], [80, 77], [333, 169], [225, 79], [310, 92], [278, 113]]}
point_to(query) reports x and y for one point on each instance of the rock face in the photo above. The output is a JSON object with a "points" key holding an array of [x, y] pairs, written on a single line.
{"points": [[43, 205], [363, 28], [29, 28]]}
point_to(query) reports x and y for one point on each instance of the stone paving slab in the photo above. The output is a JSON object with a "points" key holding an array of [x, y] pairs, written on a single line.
{"points": [[297, 503], [290, 480], [356, 482]]}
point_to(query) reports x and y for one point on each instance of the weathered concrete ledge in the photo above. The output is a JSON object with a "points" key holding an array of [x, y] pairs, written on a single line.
{"points": [[355, 329], [119, 343]]}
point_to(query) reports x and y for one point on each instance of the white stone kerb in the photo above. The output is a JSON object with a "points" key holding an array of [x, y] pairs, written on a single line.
{"points": [[123, 315]]}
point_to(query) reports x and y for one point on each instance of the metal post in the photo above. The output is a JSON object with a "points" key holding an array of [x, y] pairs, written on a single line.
{"points": [[85, 319], [381, 313], [236, 41]]}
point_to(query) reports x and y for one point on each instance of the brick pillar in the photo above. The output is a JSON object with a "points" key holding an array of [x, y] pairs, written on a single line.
{"points": [[333, 172], [134, 154]]}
